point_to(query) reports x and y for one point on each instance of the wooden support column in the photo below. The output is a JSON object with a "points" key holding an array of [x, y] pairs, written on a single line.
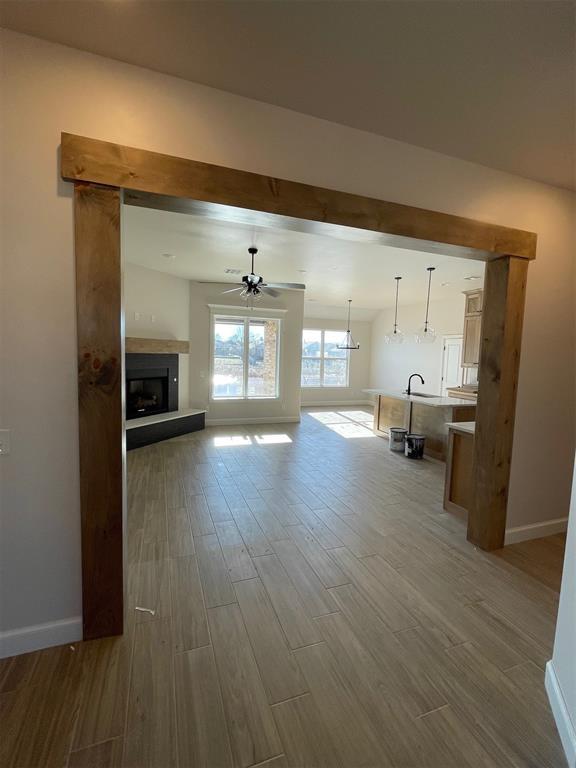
{"points": [[99, 314], [504, 295]]}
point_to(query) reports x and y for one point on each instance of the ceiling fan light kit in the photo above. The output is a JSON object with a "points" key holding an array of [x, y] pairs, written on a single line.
{"points": [[395, 335], [426, 334], [349, 342], [253, 286]]}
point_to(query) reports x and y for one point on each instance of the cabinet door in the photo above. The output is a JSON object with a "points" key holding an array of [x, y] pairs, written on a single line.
{"points": [[472, 337], [473, 303]]}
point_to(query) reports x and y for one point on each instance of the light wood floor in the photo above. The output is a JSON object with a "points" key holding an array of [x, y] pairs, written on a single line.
{"points": [[313, 606]]}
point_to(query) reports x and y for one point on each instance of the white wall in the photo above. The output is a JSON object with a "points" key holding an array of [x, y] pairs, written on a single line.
{"points": [[392, 364], [48, 89], [561, 670], [163, 303], [287, 406], [359, 366]]}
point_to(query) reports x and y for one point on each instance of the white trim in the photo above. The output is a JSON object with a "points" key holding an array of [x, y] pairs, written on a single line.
{"points": [[26, 639], [535, 530], [251, 420], [565, 726], [336, 402], [234, 309]]}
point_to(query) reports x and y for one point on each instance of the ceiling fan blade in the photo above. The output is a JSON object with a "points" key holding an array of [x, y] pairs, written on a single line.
{"points": [[292, 286], [269, 291], [233, 290]]}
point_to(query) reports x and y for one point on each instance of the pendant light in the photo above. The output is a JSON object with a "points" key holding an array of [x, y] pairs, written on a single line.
{"points": [[426, 334], [395, 336], [349, 342]]}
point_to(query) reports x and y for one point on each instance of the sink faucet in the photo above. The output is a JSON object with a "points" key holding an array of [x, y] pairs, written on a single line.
{"points": [[410, 379]]}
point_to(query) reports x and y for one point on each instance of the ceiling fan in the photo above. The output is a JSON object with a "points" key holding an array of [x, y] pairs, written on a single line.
{"points": [[253, 285]]}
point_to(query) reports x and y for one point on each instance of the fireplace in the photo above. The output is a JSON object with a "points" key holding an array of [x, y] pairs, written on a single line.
{"points": [[151, 384]]}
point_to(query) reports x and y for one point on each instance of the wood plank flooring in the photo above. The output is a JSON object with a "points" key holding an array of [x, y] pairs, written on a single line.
{"points": [[297, 598]]}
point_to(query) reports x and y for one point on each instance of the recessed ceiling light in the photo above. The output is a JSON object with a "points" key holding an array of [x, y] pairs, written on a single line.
{"points": [[168, 256], [232, 271], [302, 271], [473, 277], [444, 283]]}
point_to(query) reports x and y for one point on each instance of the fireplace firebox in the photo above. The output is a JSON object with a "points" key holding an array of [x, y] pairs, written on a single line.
{"points": [[151, 384]]}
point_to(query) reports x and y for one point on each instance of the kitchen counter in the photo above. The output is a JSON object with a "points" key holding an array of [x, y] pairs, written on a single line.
{"points": [[435, 402], [426, 416], [469, 427]]}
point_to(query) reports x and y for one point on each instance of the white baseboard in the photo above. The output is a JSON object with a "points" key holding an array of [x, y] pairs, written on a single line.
{"points": [[535, 530], [249, 420], [340, 403], [566, 728], [13, 642]]}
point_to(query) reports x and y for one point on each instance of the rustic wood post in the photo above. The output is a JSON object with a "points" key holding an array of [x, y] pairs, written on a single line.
{"points": [[99, 316], [502, 317]]}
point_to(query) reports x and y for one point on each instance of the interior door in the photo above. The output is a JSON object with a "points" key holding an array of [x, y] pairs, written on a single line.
{"points": [[451, 363]]}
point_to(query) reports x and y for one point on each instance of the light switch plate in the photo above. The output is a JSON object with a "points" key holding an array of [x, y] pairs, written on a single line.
{"points": [[4, 442]]}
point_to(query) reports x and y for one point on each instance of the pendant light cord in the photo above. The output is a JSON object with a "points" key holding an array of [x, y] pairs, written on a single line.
{"points": [[430, 270], [396, 308], [349, 306]]}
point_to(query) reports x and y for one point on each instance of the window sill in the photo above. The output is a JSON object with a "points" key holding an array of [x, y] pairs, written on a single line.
{"points": [[327, 386], [241, 399]]}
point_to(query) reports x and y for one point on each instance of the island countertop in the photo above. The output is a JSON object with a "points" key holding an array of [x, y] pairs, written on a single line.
{"points": [[462, 426], [435, 402]]}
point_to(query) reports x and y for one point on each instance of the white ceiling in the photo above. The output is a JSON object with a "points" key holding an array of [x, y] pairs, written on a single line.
{"points": [[487, 81], [334, 270]]}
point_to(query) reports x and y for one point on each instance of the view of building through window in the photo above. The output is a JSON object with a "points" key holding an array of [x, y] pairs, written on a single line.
{"points": [[245, 363], [323, 364]]}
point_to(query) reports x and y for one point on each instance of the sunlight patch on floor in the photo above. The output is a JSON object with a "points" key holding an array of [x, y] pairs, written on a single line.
{"points": [[328, 417], [364, 417], [225, 441], [348, 424], [272, 439], [350, 430]]}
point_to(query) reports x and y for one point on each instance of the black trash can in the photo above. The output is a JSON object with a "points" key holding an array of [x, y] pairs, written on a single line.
{"points": [[414, 446]]}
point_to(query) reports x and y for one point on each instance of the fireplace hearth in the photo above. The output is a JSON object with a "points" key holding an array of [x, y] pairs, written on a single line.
{"points": [[151, 384]]}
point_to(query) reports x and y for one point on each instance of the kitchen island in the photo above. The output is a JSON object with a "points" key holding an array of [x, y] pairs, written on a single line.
{"points": [[421, 414]]}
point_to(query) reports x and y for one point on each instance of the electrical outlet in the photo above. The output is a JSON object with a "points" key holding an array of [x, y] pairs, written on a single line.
{"points": [[4, 442]]}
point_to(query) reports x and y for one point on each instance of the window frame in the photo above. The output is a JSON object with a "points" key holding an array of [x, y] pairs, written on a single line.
{"points": [[322, 357], [244, 318]]}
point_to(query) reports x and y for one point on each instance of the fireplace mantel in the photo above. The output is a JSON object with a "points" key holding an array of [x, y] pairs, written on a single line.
{"points": [[156, 346]]}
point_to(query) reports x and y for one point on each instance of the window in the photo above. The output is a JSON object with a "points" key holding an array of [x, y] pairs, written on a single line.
{"points": [[323, 364], [245, 357]]}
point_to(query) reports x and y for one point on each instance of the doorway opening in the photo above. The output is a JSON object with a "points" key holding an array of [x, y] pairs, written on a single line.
{"points": [[102, 173], [452, 374]]}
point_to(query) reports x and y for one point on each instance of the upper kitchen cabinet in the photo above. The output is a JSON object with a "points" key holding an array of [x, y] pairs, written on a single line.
{"points": [[472, 328], [474, 301]]}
